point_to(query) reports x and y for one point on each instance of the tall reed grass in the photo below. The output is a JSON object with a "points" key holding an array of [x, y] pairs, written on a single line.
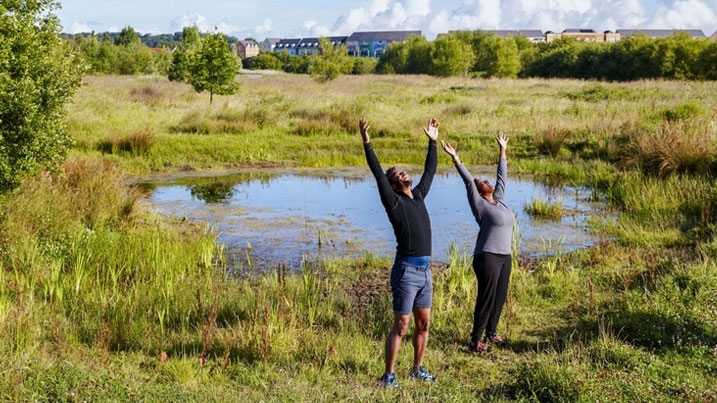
{"points": [[101, 299]]}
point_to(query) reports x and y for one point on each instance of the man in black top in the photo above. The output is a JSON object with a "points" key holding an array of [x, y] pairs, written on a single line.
{"points": [[411, 281]]}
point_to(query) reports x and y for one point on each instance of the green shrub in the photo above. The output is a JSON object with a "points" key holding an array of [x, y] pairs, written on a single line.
{"points": [[599, 93], [681, 112]]}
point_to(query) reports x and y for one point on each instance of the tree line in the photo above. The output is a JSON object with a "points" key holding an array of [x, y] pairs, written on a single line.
{"points": [[481, 54], [168, 41], [129, 53], [468, 53]]}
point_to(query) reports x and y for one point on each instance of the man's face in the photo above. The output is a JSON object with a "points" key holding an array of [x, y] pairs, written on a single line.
{"points": [[399, 179]]}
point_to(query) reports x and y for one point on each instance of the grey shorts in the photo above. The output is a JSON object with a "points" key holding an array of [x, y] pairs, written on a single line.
{"points": [[412, 287]]}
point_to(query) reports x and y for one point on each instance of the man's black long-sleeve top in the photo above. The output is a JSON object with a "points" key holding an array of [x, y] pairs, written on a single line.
{"points": [[409, 217]]}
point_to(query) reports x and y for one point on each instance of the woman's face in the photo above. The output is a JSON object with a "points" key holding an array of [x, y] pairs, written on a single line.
{"points": [[484, 187]]}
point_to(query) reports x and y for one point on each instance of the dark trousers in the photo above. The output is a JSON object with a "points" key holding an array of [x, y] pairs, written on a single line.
{"points": [[493, 274]]}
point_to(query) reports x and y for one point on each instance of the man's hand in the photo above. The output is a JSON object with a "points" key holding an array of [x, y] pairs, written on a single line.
{"points": [[431, 129], [363, 127]]}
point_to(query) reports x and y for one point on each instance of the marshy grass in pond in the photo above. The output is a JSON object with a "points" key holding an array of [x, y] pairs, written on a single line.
{"points": [[542, 209]]}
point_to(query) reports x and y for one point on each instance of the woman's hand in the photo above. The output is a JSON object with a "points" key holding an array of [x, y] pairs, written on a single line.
{"points": [[503, 143], [502, 140], [450, 151]]}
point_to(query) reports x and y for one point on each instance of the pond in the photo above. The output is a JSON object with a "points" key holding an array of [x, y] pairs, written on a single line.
{"points": [[271, 217]]}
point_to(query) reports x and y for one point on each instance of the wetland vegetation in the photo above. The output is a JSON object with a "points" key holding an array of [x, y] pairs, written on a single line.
{"points": [[102, 298]]}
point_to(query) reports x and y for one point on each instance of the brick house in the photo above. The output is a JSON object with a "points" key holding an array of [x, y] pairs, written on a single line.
{"points": [[533, 35], [247, 49], [583, 34]]}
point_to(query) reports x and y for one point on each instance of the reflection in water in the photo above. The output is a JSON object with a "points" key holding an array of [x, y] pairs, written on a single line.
{"points": [[215, 192], [266, 218]]}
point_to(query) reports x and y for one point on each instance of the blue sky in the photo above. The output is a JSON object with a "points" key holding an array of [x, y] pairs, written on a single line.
{"points": [[260, 19]]}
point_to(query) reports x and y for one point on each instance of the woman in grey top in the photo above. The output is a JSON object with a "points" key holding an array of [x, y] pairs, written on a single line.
{"points": [[492, 254]]}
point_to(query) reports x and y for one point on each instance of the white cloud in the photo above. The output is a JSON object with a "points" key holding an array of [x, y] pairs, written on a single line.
{"points": [[190, 20], [553, 15], [418, 7], [378, 6], [78, 27], [430, 16], [352, 20], [265, 27], [224, 28], [684, 14], [315, 29]]}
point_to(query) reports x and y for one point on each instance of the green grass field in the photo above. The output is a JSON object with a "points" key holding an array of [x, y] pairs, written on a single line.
{"points": [[102, 299]]}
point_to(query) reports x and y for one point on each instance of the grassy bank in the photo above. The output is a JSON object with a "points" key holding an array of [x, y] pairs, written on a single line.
{"points": [[102, 299]]}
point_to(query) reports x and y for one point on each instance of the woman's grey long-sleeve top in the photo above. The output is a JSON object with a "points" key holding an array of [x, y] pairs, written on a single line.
{"points": [[495, 220]]}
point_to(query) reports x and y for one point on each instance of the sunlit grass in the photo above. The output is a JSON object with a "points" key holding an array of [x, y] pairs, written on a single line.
{"points": [[103, 300]]}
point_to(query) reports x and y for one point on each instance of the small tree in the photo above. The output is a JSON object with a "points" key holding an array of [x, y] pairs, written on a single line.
{"points": [[39, 73], [190, 41], [127, 37], [451, 56], [213, 67], [331, 62]]}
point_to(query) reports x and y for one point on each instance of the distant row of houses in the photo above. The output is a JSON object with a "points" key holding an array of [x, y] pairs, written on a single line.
{"points": [[358, 44], [374, 43]]}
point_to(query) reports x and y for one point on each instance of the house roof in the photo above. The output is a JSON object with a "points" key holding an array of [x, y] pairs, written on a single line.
{"points": [[314, 42], [382, 36], [288, 43], [528, 33], [579, 31], [660, 33], [272, 41]]}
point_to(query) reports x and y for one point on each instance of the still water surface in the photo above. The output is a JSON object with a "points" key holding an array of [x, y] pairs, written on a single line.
{"points": [[266, 218]]}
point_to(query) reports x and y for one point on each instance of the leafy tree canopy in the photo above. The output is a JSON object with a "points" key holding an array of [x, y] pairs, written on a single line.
{"points": [[213, 67], [39, 74], [127, 37], [331, 62]]}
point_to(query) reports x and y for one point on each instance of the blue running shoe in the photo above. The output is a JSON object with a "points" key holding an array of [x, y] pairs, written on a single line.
{"points": [[389, 380], [421, 374]]}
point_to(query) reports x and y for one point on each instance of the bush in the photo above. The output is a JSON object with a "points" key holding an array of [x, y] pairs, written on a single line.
{"points": [[39, 74], [364, 65], [678, 147]]}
